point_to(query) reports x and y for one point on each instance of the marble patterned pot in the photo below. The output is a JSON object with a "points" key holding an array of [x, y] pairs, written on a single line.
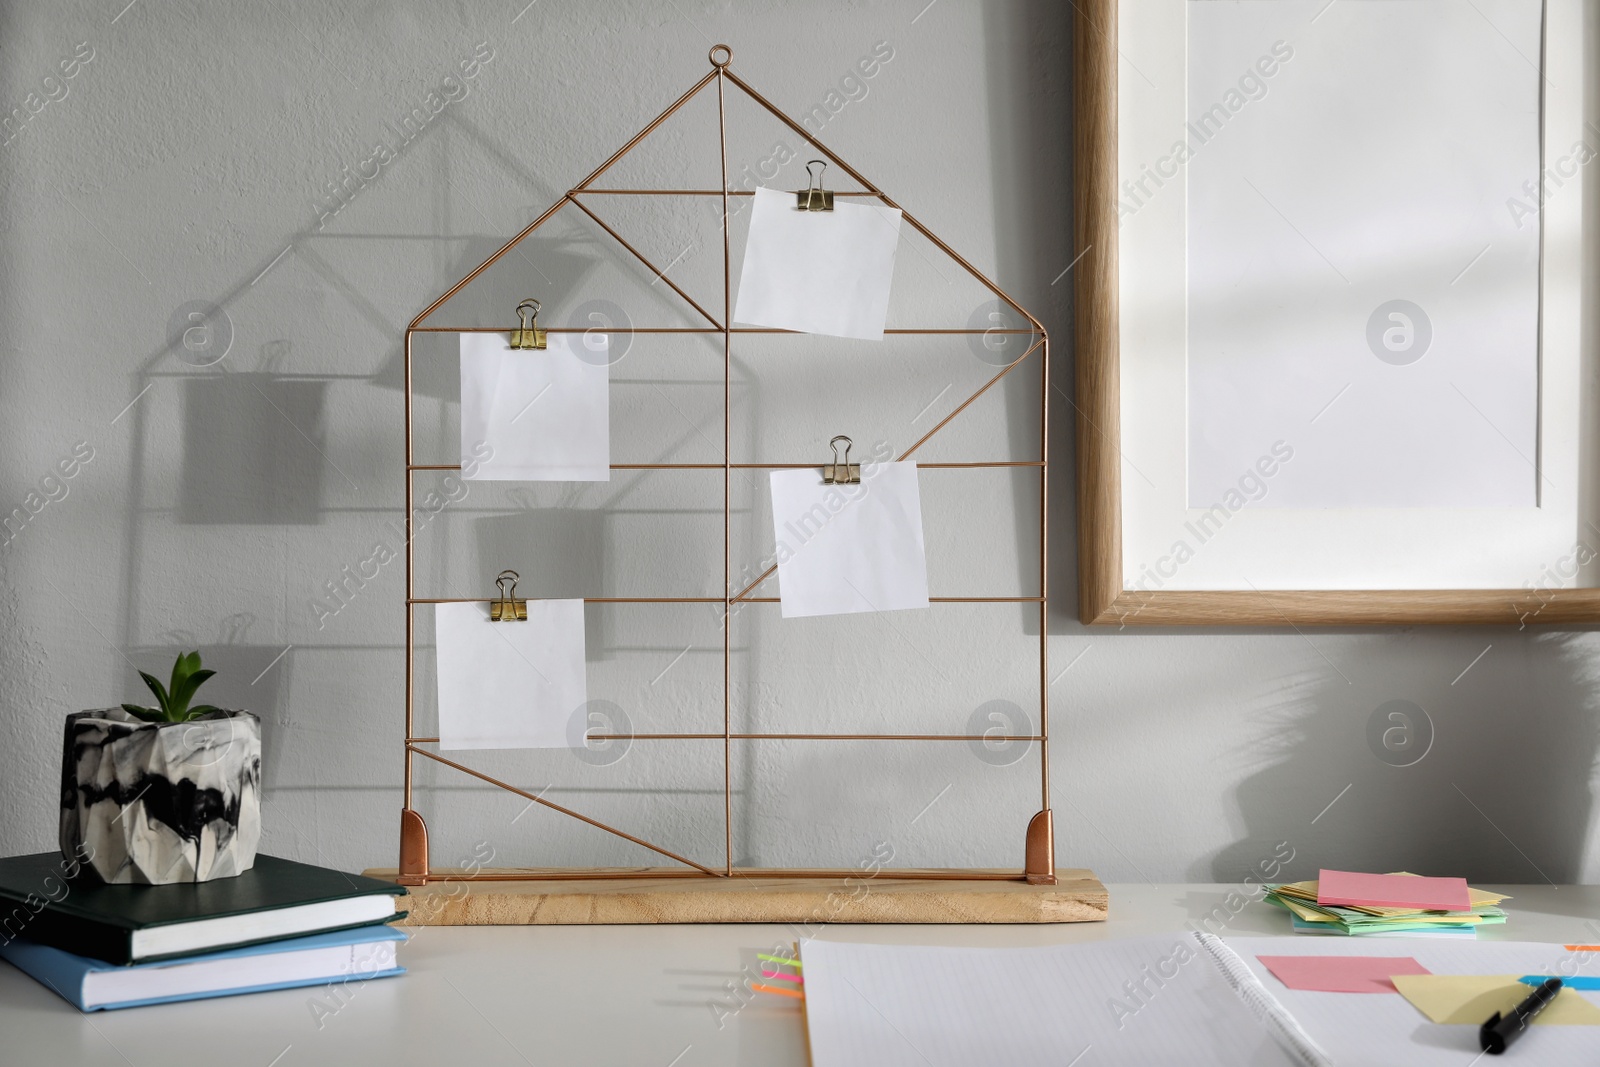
{"points": [[153, 803]]}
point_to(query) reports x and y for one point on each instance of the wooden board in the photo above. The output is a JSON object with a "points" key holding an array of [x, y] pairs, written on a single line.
{"points": [[889, 897]]}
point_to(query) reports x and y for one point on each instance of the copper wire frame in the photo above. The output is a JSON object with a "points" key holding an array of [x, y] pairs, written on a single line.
{"points": [[1039, 852]]}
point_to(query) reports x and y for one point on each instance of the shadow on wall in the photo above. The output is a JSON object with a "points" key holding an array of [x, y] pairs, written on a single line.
{"points": [[253, 447], [253, 455], [1487, 777], [491, 300], [250, 677], [557, 552], [252, 450], [1025, 57]]}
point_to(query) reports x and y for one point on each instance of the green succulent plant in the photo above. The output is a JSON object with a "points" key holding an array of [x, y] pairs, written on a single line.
{"points": [[172, 700]]}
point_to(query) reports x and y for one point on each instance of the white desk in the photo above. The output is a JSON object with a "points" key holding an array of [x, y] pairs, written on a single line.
{"points": [[558, 995]]}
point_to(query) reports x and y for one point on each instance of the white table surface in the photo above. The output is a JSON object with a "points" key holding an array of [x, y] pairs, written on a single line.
{"points": [[487, 996]]}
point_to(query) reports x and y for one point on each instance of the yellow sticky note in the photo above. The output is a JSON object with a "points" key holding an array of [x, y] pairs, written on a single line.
{"points": [[1472, 998], [1308, 914]]}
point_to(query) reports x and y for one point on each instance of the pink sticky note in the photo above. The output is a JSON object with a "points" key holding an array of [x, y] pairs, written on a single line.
{"points": [[1392, 891], [1341, 974]]}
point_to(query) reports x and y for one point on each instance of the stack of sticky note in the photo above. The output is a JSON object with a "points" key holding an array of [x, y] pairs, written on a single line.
{"points": [[1347, 902]]}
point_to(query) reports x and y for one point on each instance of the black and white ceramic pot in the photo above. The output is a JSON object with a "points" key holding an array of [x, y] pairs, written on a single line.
{"points": [[153, 803]]}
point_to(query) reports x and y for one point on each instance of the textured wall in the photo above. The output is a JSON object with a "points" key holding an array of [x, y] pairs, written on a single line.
{"points": [[306, 178]]}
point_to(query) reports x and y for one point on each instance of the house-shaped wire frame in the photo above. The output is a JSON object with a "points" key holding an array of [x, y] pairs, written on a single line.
{"points": [[1038, 843]]}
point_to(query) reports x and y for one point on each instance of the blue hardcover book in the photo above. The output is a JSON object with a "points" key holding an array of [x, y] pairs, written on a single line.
{"points": [[93, 985]]}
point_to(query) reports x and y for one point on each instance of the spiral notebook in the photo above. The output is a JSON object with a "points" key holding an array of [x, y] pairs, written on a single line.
{"points": [[1181, 999]]}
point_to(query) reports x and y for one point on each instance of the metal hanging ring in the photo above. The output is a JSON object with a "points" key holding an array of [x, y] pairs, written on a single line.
{"points": [[727, 55], [507, 576]]}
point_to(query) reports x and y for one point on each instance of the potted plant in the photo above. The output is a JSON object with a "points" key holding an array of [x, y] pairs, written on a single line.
{"points": [[164, 794]]}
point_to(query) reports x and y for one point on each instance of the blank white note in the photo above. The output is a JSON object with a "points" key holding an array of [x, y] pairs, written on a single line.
{"points": [[849, 548], [1363, 252], [824, 272], [509, 684], [544, 414]]}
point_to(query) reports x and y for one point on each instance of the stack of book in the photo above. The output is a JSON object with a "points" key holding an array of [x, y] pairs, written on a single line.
{"points": [[280, 924], [1312, 912]]}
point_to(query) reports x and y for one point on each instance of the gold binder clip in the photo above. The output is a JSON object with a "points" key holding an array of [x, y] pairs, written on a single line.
{"points": [[528, 334], [837, 473], [814, 197], [508, 608]]}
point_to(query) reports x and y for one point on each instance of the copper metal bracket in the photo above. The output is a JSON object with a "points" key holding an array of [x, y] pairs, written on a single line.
{"points": [[413, 849], [1039, 863]]}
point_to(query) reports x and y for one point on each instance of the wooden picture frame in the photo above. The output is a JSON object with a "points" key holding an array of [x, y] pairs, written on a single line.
{"points": [[1104, 599]]}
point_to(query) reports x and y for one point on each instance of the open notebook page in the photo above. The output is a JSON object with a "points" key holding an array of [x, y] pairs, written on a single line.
{"points": [[1376, 1030], [1148, 1001]]}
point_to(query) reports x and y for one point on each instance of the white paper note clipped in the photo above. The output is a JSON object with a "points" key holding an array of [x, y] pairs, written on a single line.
{"points": [[544, 413], [822, 272], [510, 684], [843, 549]]}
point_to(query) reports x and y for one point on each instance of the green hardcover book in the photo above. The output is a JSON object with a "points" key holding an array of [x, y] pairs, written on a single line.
{"points": [[276, 898]]}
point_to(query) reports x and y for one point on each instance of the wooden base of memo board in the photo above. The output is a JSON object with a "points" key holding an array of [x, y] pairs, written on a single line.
{"points": [[890, 897]]}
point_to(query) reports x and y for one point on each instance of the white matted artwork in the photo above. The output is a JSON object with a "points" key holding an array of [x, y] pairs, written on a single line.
{"points": [[1255, 522], [1359, 292]]}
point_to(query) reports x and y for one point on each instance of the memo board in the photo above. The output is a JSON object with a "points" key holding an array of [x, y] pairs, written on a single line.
{"points": [[1320, 565], [1035, 841]]}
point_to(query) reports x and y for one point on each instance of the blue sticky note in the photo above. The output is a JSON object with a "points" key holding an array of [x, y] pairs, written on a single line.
{"points": [[1584, 982]]}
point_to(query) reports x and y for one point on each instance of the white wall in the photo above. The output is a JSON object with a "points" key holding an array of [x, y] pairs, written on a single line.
{"points": [[189, 162]]}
